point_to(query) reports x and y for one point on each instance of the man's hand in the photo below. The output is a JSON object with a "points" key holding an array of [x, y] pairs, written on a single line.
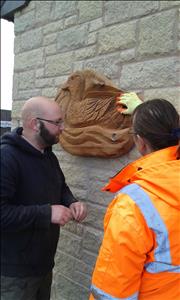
{"points": [[127, 103], [78, 210], [60, 214]]}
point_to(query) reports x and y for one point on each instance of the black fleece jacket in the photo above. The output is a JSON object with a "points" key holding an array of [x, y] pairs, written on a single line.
{"points": [[31, 182]]}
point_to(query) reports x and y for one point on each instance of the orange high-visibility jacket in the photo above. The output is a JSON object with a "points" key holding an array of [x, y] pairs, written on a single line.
{"points": [[140, 254]]}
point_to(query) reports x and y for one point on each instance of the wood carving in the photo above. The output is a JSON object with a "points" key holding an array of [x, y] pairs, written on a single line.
{"points": [[93, 126]]}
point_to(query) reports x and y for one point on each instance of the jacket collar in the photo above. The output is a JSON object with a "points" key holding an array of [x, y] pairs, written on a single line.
{"points": [[124, 177]]}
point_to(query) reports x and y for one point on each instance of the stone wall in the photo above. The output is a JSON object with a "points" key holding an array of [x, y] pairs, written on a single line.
{"points": [[136, 43]]}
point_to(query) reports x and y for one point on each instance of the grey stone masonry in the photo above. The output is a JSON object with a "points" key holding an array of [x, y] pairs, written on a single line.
{"points": [[117, 37], [154, 42], [137, 45], [72, 38]]}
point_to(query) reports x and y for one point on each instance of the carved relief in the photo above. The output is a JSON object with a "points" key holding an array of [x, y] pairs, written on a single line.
{"points": [[93, 126]]}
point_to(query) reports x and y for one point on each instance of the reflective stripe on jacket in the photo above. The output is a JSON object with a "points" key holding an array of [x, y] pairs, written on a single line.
{"points": [[140, 254]]}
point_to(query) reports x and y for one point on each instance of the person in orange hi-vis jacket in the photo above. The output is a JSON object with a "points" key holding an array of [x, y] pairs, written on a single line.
{"points": [[140, 254]]}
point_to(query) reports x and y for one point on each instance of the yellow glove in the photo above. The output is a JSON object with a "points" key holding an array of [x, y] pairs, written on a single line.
{"points": [[127, 103]]}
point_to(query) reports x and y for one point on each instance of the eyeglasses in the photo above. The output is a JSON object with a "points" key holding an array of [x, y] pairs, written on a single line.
{"points": [[56, 123]]}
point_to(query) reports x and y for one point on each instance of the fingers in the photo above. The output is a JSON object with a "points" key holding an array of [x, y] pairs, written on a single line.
{"points": [[127, 102], [79, 211], [121, 109], [123, 99], [126, 97], [121, 102], [66, 216], [121, 105], [82, 213], [60, 214], [76, 210]]}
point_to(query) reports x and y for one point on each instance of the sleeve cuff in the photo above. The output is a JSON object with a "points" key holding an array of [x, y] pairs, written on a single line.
{"points": [[43, 218]]}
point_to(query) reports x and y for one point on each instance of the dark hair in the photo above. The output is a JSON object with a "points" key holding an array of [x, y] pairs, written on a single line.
{"points": [[157, 121]]}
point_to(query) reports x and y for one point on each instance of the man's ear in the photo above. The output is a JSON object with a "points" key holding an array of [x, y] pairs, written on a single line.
{"points": [[34, 124]]}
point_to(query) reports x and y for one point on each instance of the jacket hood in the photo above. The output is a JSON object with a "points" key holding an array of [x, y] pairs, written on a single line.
{"points": [[15, 139], [158, 173]]}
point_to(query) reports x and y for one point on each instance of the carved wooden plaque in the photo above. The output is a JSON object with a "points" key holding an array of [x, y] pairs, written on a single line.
{"points": [[93, 126]]}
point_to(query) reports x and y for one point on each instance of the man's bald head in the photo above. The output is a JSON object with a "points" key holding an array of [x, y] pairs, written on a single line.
{"points": [[40, 106], [42, 122]]}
